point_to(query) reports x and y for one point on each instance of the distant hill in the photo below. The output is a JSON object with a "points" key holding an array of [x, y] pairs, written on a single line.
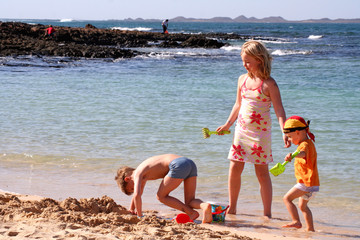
{"points": [[243, 19]]}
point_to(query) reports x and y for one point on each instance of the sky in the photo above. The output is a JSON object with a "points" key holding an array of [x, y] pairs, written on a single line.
{"points": [[161, 9]]}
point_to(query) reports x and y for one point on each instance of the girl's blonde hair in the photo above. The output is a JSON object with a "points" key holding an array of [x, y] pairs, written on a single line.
{"points": [[258, 51]]}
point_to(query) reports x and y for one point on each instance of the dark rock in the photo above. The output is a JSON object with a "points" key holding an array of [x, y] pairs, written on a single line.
{"points": [[200, 41], [24, 39], [90, 26]]}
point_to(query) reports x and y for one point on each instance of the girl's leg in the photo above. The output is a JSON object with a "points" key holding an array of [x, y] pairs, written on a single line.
{"points": [[167, 185], [234, 181], [262, 173], [307, 214], [292, 194], [189, 193]]}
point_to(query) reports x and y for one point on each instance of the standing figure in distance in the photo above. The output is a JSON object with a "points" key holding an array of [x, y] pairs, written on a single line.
{"points": [[164, 25]]}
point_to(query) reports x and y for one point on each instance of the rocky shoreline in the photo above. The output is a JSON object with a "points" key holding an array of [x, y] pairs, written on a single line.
{"points": [[18, 39]]}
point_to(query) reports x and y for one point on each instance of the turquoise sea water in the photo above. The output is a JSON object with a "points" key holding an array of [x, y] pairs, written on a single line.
{"points": [[68, 124]]}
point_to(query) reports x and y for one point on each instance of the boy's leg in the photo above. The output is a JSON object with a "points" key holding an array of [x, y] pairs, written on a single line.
{"points": [[292, 194], [167, 185], [189, 193], [307, 214], [262, 173], [234, 182]]}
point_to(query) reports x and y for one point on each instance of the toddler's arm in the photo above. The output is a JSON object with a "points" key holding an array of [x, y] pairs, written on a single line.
{"points": [[289, 156]]}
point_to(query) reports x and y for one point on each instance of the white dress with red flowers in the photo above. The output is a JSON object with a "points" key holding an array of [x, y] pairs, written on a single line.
{"points": [[252, 138]]}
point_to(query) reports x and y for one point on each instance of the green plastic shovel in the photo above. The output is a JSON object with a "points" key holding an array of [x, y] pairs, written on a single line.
{"points": [[280, 168], [206, 132]]}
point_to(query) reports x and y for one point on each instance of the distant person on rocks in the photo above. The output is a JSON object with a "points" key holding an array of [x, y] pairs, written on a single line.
{"points": [[165, 26], [50, 31]]}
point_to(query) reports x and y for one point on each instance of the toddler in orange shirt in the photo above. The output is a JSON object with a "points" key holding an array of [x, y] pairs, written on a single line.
{"points": [[306, 172]]}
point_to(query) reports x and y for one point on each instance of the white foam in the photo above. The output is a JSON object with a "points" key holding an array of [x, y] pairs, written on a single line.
{"points": [[231, 48], [173, 53], [155, 55], [274, 41], [315, 36], [280, 52], [144, 29], [66, 20]]}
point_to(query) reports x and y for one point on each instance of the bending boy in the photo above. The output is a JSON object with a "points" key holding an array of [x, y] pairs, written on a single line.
{"points": [[174, 170]]}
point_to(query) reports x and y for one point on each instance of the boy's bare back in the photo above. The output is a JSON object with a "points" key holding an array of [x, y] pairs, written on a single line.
{"points": [[155, 167]]}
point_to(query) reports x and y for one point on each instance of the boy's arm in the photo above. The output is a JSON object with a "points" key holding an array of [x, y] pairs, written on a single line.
{"points": [[132, 206], [139, 185]]}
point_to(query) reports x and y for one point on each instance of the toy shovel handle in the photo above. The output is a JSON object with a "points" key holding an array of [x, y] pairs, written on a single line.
{"points": [[224, 132], [294, 154], [221, 132]]}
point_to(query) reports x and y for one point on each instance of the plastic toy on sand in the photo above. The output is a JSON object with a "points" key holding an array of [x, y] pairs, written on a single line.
{"points": [[218, 212], [206, 132], [182, 218], [279, 168]]}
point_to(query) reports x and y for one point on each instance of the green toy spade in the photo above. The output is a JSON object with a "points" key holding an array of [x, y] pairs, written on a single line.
{"points": [[206, 132], [280, 168]]}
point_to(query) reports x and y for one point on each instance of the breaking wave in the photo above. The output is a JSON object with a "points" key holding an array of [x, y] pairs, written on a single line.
{"points": [[143, 29], [315, 37], [291, 52]]}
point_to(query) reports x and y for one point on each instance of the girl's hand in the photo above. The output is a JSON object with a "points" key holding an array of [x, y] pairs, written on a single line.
{"points": [[224, 127], [287, 142]]}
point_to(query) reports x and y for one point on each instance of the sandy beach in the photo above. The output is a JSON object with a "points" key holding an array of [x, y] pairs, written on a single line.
{"points": [[34, 217]]}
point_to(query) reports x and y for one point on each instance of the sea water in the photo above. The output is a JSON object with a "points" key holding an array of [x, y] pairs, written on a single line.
{"points": [[67, 124]]}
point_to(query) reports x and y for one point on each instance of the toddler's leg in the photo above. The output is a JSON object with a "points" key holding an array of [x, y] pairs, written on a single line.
{"points": [[307, 214], [234, 182], [292, 194], [262, 173]]}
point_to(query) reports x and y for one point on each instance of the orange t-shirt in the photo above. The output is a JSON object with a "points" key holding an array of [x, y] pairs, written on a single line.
{"points": [[306, 171]]}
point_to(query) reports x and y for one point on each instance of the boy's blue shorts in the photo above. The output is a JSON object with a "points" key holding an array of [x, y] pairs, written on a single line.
{"points": [[182, 168]]}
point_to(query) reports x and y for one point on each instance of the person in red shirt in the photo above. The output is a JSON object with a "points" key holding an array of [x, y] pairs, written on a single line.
{"points": [[50, 31], [306, 172]]}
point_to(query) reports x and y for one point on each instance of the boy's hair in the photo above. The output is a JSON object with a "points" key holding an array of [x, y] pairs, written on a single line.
{"points": [[258, 51], [120, 178]]}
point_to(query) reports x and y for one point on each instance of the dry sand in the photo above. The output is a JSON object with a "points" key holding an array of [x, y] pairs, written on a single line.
{"points": [[33, 217]]}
